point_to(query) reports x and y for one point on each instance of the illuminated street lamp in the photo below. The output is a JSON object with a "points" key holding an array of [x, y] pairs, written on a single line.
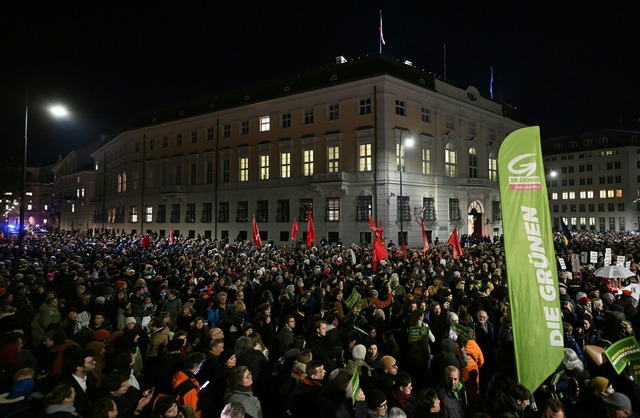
{"points": [[403, 145], [58, 112]]}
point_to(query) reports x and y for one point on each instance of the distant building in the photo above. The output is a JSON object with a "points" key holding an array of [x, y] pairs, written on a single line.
{"points": [[74, 185], [329, 141], [593, 180], [38, 198]]}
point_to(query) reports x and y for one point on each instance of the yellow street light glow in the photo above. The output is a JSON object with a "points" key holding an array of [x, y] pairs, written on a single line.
{"points": [[59, 111]]}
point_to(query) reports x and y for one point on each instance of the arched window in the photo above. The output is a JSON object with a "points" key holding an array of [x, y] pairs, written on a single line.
{"points": [[450, 159], [473, 163]]}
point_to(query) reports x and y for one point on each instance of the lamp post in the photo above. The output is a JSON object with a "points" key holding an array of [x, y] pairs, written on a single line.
{"points": [[407, 143], [58, 112]]}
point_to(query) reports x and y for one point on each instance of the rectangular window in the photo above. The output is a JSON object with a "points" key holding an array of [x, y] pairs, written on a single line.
{"points": [[334, 112], [264, 167], [429, 209], [364, 208], [401, 109], [209, 174], [454, 209], [306, 205], [426, 161], [148, 214], [134, 214], [165, 142], [244, 127], [194, 137], [226, 170], [179, 139], [207, 212], [175, 213], [620, 207], [450, 162], [333, 209], [333, 157], [403, 210], [262, 212], [492, 134], [285, 121], [307, 162], [191, 213], [621, 224], [178, 174], [223, 212], [401, 157], [611, 207], [285, 165], [426, 115], [136, 147], [612, 223], [364, 108], [242, 213], [600, 207], [472, 128], [193, 173], [265, 123], [364, 157], [161, 216], [308, 117], [450, 121], [226, 131], [244, 169], [209, 134], [152, 144], [283, 212], [554, 196], [493, 169], [473, 163]]}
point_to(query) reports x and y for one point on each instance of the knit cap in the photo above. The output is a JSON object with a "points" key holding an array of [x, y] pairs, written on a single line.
{"points": [[359, 352], [386, 362]]}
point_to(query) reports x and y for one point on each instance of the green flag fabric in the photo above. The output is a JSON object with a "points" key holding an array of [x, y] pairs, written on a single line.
{"points": [[463, 333], [355, 385], [532, 274], [623, 351]]}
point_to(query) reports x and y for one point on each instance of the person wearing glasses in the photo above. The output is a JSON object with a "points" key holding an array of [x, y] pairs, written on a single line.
{"points": [[377, 403]]}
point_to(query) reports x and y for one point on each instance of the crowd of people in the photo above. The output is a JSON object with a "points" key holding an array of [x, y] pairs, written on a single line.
{"points": [[125, 326]]}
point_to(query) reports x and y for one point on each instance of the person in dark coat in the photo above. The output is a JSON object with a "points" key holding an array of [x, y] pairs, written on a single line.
{"points": [[307, 390], [79, 375], [452, 394]]}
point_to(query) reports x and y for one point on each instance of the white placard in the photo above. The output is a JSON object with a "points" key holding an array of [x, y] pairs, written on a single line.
{"points": [[593, 257], [628, 264], [620, 260], [563, 266]]}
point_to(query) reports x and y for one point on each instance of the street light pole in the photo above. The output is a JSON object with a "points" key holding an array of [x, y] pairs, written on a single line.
{"points": [[58, 112], [401, 155]]}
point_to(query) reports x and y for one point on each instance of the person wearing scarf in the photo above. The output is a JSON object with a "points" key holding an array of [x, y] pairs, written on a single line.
{"points": [[401, 395], [59, 402]]}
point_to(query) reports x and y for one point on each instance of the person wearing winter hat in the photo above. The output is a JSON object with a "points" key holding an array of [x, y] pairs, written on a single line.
{"points": [[16, 402], [619, 405], [377, 403]]}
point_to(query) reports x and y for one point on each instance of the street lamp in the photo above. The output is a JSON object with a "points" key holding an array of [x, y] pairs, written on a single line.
{"points": [[402, 145], [58, 112]]}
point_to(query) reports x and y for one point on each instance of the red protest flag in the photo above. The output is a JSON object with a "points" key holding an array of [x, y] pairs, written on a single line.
{"points": [[256, 234], [294, 230], [170, 235], [425, 242], [311, 232], [455, 242]]}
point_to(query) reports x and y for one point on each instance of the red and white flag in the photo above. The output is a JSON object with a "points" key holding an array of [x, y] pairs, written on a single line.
{"points": [[381, 35], [311, 232], [455, 242], [294, 230], [170, 235], [256, 234], [425, 241]]}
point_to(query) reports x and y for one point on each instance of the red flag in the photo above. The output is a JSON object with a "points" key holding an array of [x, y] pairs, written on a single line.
{"points": [[146, 241], [379, 251], [311, 232], [294, 230], [425, 242], [256, 234], [171, 235], [453, 240], [404, 250]]}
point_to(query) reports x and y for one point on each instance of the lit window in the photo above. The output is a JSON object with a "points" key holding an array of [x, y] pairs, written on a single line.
{"points": [[450, 160], [307, 162], [554, 196], [572, 195], [618, 193], [285, 165], [148, 214], [603, 194], [473, 163], [244, 169], [364, 158], [565, 195], [29, 206], [97, 166], [333, 155], [265, 123], [333, 209], [493, 167], [73, 208], [426, 161], [264, 167]]}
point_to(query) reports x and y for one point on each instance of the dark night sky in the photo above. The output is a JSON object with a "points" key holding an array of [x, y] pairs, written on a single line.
{"points": [[568, 66]]}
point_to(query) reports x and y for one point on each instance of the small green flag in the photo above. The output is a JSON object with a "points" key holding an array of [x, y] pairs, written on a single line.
{"points": [[353, 299], [463, 334], [355, 385], [623, 351], [418, 333]]}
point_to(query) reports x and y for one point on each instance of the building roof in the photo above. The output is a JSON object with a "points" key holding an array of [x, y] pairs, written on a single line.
{"points": [[590, 141], [300, 82]]}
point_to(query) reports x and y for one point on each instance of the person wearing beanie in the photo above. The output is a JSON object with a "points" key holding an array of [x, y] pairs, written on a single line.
{"points": [[335, 400], [377, 403], [357, 362], [448, 357], [17, 402], [619, 406]]}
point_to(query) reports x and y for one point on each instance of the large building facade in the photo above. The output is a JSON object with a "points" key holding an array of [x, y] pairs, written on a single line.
{"points": [[330, 141], [593, 180]]}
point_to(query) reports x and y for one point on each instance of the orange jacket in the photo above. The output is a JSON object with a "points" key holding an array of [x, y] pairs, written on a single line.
{"points": [[381, 304], [189, 390]]}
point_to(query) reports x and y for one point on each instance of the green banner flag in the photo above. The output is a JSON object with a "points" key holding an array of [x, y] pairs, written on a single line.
{"points": [[530, 256], [417, 333], [463, 333], [623, 351], [355, 385], [353, 299]]}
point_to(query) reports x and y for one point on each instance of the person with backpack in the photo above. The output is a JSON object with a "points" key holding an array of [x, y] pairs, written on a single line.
{"points": [[186, 387]]}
